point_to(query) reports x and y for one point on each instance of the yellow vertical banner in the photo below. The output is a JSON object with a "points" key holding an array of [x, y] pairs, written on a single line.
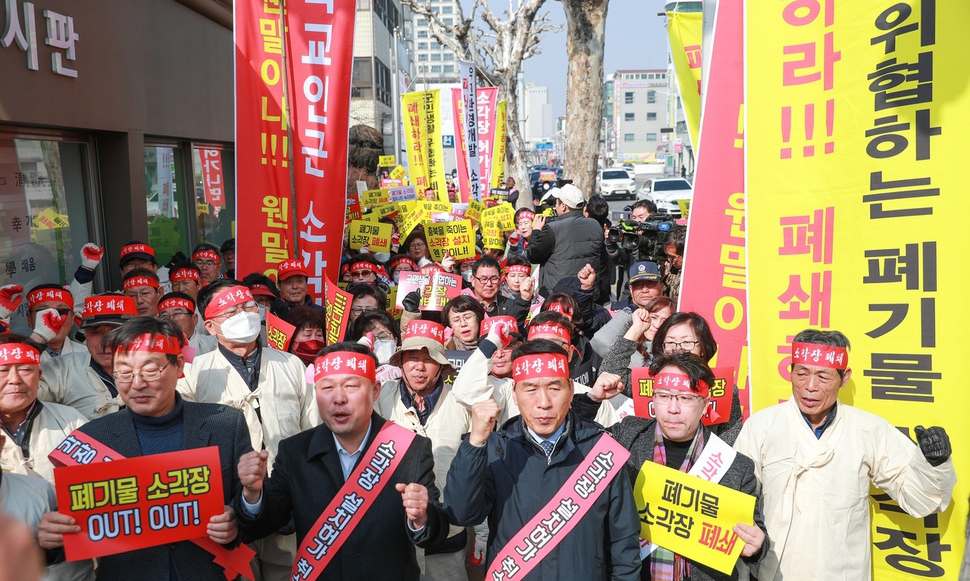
{"points": [[855, 211], [415, 141], [685, 30], [434, 150], [498, 146]]}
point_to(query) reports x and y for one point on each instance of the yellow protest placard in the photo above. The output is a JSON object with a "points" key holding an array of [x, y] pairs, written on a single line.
{"points": [[492, 238], [435, 207], [691, 516], [371, 198], [386, 161], [455, 238], [409, 217], [397, 173], [374, 235], [501, 216], [474, 211], [385, 209], [498, 146]]}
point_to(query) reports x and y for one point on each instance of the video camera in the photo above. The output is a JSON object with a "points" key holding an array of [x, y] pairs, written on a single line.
{"points": [[641, 240]]}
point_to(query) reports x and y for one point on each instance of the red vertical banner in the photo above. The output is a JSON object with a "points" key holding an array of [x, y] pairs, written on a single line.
{"points": [[213, 182], [486, 100], [320, 42], [716, 232], [263, 200], [464, 184]]}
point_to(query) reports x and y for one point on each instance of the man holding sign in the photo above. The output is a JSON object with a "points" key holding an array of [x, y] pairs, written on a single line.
{"points": [[587, 529], [677, 439], [817, 458], [357, 480], [147, 363]]}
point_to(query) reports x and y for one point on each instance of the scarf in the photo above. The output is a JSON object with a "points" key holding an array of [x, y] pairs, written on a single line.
{"points": [[666, 565]]}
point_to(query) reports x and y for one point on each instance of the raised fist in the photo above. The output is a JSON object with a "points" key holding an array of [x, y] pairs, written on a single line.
{"points": [[48, 323], [91, 255], [484, 417], [414, 497], [252, 473], [11, 295]]}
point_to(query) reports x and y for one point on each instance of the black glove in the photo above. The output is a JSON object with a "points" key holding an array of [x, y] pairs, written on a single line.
{"points": [[934, 443], [412, 301]]}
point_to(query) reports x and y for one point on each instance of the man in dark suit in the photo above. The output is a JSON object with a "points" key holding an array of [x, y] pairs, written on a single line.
{"points": [[312, 466], [147, 365]]}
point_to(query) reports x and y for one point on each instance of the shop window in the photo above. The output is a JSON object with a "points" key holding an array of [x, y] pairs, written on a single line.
{"points": [[167, 220], [213, 175]]}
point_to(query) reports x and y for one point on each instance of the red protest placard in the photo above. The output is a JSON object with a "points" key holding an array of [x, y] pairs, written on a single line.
{"points": [[718, 409], [408, 282], [140, 502], [279, 333], [337, 304], [441, 288]]}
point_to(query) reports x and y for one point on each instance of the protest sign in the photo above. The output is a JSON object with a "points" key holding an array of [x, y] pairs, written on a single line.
{"points": [[718, 408], [134, 503], [369, 199], [375, 236], [279, 333], [441, 288], [402, 194], [690, 516], [386, 161], [456, 239], [337, 303]]}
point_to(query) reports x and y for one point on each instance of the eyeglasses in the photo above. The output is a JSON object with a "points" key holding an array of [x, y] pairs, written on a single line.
{"points": [[682, 345], [358, 311], [667, 398], [167, 316], [250, 307], [201, 263], [487, 279], [150, 374]]}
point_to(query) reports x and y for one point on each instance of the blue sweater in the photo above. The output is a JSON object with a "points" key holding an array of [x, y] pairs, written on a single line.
{"points": [[160, 434]]}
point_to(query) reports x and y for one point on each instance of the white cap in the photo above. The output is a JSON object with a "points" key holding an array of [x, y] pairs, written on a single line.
{"points": [[569, 195]]}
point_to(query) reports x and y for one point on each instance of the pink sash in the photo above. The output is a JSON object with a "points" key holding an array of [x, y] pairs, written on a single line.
{"points": [[560, 515]]}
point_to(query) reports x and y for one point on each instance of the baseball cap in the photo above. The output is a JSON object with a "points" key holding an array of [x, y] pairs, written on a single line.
{"points": [[569, 195], [644, 270], [290, 268], [108, 309], [136, 251]]}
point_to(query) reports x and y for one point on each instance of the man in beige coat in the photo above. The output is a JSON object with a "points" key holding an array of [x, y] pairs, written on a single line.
{"points": [[268, 386], [816, 458]]}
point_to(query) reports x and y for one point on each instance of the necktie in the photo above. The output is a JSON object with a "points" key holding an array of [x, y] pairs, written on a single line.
{"points": [[547, 446]]}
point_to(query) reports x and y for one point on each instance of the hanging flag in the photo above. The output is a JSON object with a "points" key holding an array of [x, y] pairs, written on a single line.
{"points": [[498, 146], [469, 97], [457, 110], [485, 101], [686, 30]]}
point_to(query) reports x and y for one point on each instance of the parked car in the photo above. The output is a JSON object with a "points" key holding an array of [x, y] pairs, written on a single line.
{"points": [[616, 183], [666, 192]]}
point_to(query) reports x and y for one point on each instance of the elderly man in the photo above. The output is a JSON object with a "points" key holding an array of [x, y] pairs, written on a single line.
{"points": [[422, 401], [267, 385], [147, 365], [486, 280], [528, 468], [137, 255], [816, 460], [293, 276], [678, 439], [52, 296], [209, 260], [645, 286], [144, 288], [355, 453], [186, 279], [180, 309], [84, 381]]}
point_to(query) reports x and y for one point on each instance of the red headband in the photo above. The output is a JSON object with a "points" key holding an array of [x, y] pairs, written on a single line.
{"points": [[487, 323], [44, 295], [19, 354], [677, 382], [395, 263], [821, 355], [177, 303], [206, 253], [549, 329], [109, 305], [344, 363], [425, 329], [226, 299], [525, 216], [364, 265], [149, 343], [182, 274], [132, 248], [561, 308], [540, 365], [522, 269], [137, 281]]}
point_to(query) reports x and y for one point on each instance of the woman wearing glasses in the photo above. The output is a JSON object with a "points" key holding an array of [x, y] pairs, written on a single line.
{"points": [[678, 439]]}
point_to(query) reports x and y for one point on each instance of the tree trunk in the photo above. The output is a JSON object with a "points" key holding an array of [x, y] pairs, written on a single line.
{"points": [[516, 162], [586, 28]]}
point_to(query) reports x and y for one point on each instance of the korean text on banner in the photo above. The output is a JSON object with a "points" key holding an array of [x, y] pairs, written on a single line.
{"points": [[213, 182], [134, 503], [264, 220], [435, 154], [375, 236], [457, 113], [718, 408], [468, 128], [691, 516], [498, 146], [279, 333], [715, 233], [685, 31], [855, 223], [440, 289], [337, 304], [415, 141], [457, 239], [321, 42], [486, 100]]}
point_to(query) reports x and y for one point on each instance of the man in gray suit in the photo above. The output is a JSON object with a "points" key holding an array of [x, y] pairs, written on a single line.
{"points": [[147, 365]]}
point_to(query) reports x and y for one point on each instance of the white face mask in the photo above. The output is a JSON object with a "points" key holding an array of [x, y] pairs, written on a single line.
{"points": [[242, 327], [383, 349]]}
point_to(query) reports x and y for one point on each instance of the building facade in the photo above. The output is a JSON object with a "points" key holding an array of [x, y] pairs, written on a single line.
{"points": [[639, 113], [435, 64], [538, 115]]}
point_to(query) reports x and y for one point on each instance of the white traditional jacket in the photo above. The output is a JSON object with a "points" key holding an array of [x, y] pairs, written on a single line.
{"points": [[816, 490], [69, 380]]}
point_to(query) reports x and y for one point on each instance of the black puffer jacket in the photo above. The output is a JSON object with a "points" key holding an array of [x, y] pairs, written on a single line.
{"points": [[564, 246], [509, 480]]}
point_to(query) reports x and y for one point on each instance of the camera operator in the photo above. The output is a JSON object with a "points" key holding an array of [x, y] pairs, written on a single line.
{"points": [[674, 249], [620, 258]]}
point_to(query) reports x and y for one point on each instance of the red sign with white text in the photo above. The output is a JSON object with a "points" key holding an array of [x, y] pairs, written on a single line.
{"points": [[715, 273], [321, 43], [263, 201], [213, 183], [486, 99], [140, 502]]}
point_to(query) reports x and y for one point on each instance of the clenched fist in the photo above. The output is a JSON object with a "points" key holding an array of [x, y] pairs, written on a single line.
{"points": [[91, 255], [587, 277], [526, 289], [484, 417], [11, 295], [48, 323], [252, 473], [608, 385], [414, 497]]}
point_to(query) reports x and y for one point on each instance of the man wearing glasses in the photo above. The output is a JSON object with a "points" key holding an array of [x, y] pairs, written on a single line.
{"points": [[267, 385], [209, 260], [143, 286], [486, 280], [180, 309], [147, 363]]}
